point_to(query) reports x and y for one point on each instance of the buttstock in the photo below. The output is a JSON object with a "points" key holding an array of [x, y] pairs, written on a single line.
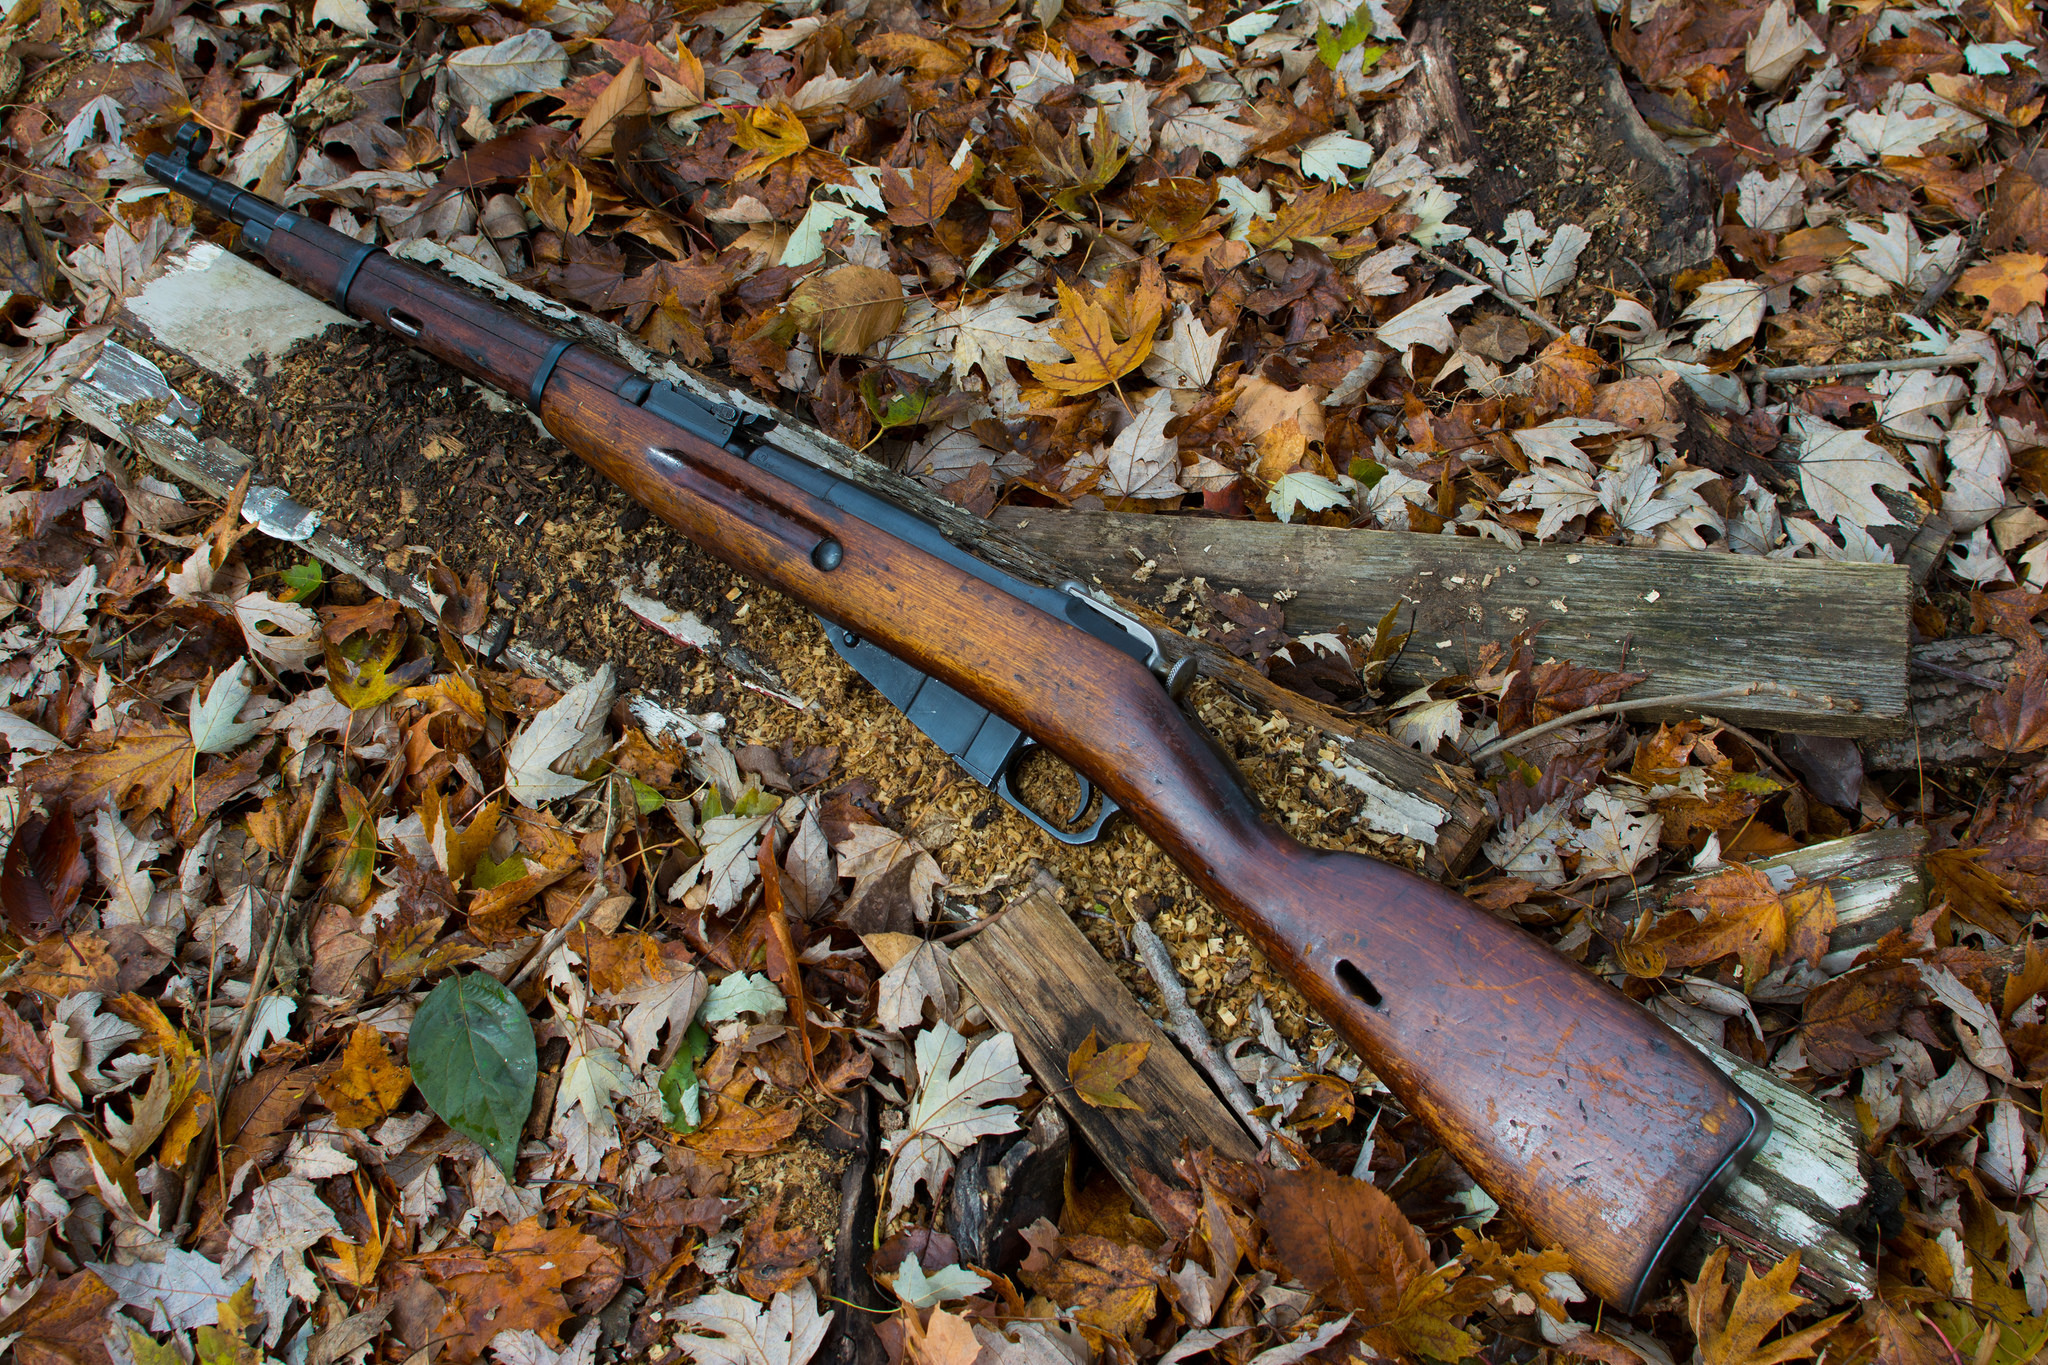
{"points": [[1589, 1120]]}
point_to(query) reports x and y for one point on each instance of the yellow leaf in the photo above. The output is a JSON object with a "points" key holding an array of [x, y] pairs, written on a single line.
{"points": [[2008, 282], [1085, 329], [1733, 1334], [773, 132], [457, 849], [369, 1083], [185, 1125], [1097, 1071], [363, 683]]}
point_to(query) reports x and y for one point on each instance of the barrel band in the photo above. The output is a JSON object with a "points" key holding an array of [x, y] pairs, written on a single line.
{"points": [[348, 273], [545, 373]]}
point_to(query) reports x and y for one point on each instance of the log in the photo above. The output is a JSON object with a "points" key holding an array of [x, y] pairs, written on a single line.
{"points": [[1040, 980], [1806, 1191], [1941, 705], [1878, 880], [1692, 620], [181, 312]]}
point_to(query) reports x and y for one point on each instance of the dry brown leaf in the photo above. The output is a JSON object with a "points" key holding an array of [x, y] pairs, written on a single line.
{"points": [[1085, 328], [929, 59], [624, 98], [849, 308], [516, 1285], [1344, 1239], [2008, 282], [1739, 914]]}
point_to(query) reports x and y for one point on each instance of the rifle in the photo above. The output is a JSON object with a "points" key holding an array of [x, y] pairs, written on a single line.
{"points": [[1589, 1120]]}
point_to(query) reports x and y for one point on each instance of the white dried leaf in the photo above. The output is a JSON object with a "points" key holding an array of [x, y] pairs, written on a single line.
{"points": [[571, 730], [1212, 130], [1142, 462], [923, 974], [584, 1125], [1430, 723], [1519, 271], [1905, 121], [286, 1217], [180, 1292], [1979, 462], [1977, 560], [1328, 157], [653, 1006], [214, 727], [122, 858], [1187, 358], [958, 1102], [296, 643], [103, 111], [1533, 849], [1841, 470], [1301, 488], [740, 993], [1771, 205], [1619, 837], [1427, 322], [63, 606], [914, 1287], [1781, 41], [524, 63], [1729, 311], [725, 1328]]}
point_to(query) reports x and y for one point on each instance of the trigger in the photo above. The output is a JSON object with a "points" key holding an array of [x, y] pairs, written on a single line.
{"points": [[1081, 806]]}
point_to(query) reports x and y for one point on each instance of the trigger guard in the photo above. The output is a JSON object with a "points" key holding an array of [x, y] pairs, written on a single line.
{"points": [[1074, 837]]}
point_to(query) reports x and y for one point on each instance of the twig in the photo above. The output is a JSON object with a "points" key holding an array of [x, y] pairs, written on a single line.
{"points": [[590, 901], [1531, 314], [258, 983], [1959, 675], [1782, 373], [1689, 700], [1187, 1027]]}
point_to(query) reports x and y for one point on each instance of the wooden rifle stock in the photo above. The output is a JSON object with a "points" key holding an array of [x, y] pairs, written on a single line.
{"points": [[1587, 1119]]}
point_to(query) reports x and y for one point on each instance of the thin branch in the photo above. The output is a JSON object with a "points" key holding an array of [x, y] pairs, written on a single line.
{"points": [[258, 984], [1531, 314], [591, 901], [1187, 1027], [1784, 373], [1676, 700]]}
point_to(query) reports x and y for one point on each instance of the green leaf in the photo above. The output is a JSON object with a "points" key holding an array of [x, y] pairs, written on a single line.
{"points": [[487, 875], [302, 581], [741, 993], [148, 1351], [1334, 43], [472, 1056], [681, 1095], [647, 798], [1368, 473], [753, 801]]}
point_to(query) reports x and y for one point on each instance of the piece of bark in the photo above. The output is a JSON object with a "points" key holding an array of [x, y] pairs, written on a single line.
{"points": [[1806, 1191], [1002, 1185], [1692, 620], [1040, 980], [1431, 802], [1941, 706], [1878, 880], [853, 1340]]}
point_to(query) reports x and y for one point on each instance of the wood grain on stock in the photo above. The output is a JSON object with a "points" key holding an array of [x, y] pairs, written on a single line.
{"points": [[1587, 1119]]}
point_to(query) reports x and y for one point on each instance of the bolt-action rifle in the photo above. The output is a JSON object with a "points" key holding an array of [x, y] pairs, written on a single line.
{"points": [[1589, 1120]]}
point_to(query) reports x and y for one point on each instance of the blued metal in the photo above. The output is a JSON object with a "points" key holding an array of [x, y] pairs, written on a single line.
{"points": [[545, 372]]}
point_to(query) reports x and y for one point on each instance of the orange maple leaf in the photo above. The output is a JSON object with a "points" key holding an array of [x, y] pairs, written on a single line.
{"points": [[1085, 329], [2008, 282], [517, 1284], [369, 1083], [1733, 1334]]}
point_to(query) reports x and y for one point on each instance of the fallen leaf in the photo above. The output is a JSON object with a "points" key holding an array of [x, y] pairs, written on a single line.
{"points": [[849, 308], [958, 1102], [2008, 282], [725, 1329], [1733, 1334], [369, 1083], [1096, 1071], [1084, 327]]}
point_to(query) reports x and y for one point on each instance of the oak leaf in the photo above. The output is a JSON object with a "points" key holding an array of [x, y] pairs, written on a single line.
{"points": [[1084, 327], [369, 1083], [1733, 1334], [1097, 1071], [2008, 282]]}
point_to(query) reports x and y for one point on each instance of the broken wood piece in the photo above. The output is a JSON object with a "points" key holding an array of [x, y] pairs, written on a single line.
{"points": [[1692, 620], [1040, 980], [1877, 878], [1806, 1191]]}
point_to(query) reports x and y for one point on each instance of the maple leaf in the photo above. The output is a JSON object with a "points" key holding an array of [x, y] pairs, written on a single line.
{"points": [[369, 1083], [1729, 311], [1427, 322], [1733, 1334], [571, 732], [1520, 271], [1096, 1072], [894, 877], [584, 1125], [182, 1290], [139, 770], [727, 1329], [1841, 470], [1085, 329], [2008, 282], [1143, 462], [517, 1285], [772, 132], [924, 973], [920, 197], [1736, 912], [957, 1103], [668, 1003]]}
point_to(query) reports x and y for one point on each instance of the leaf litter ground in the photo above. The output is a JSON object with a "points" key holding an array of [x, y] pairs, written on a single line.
{"points": [[1180, 200]]}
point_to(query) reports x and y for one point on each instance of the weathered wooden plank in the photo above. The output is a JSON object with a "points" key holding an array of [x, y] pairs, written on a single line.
{"points": [[1878, 880], [1041, 980], [1693, 621]]}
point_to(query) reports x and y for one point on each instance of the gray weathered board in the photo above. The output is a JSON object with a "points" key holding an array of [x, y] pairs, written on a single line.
{"points": [[1041, 981], [1692, 620], [234, 320]]}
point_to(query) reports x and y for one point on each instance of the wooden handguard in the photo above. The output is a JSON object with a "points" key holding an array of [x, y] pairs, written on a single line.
{"points": [[1591, 1122]]}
